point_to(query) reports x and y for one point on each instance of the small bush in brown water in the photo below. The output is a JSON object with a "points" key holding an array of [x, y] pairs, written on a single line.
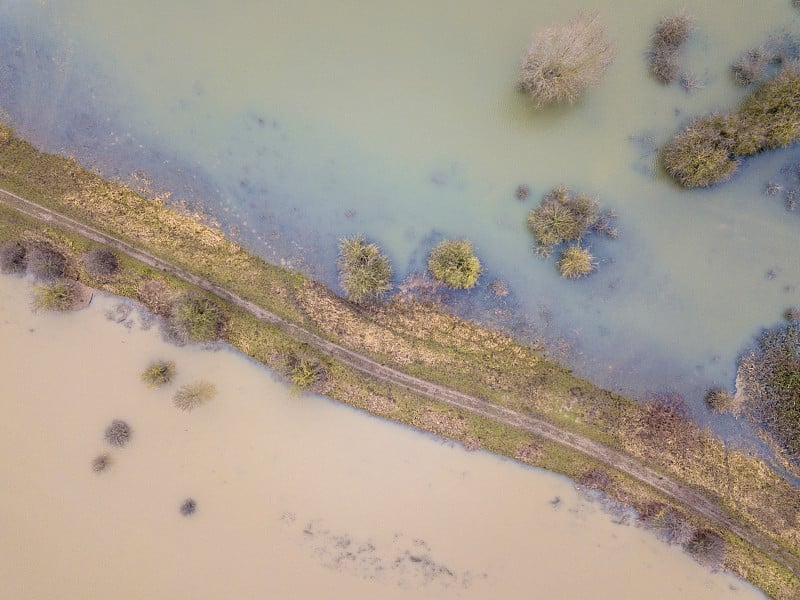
{"points": [[188, 507], [193, 395], [118, 433], [669, 37], [159, 373], [101, 462]]}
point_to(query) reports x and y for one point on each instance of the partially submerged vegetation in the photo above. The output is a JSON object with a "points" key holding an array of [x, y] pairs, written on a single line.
{"points": [[454, 263], [364, 270], [193, 395], [565, 217], [60, 295], [118, 434], [422, 340], [563, 61], [761, 63], [159, 373], [769, 378], [669, 37], [708, 150]]}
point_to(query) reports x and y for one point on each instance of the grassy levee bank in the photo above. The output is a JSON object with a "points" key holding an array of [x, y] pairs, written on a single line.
{"points": [[422, 340]]}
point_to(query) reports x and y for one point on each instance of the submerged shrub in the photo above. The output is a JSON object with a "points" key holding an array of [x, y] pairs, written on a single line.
{"points": [[100, 262], [563, 61], [188, 507], [770, 379], [707, 547], [195, 318], [705, 152], [453, 263], [45, 262], [561, 217], [193, 395], [13, 258], [118, 433], [364, 271], [669, 37], [101, 462], [156, 296], [58, 295], [751, 67], [701, 154], [576, 262], [159, 373]]}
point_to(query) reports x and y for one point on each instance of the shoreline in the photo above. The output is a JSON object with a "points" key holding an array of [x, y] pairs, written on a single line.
{"points": [[565, 406]]}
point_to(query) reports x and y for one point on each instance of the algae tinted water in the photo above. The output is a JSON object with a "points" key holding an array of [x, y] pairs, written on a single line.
{"points": [[297, 123], [294, 496]]}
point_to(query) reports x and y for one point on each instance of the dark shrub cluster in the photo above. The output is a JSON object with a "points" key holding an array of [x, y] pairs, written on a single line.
{"points": [[45, 262], [364, 271], [707, 547], [188, 507], [707, 150], [563, 61], [195, 318], [454, 263], [100, 262], [770, 379], [761, 63], [101, 462], [118, 433], [13, 258], [669, 37], [721, 401]]}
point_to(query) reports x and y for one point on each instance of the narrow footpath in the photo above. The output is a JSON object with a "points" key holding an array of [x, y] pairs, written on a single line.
{"points": [[690, 498]]}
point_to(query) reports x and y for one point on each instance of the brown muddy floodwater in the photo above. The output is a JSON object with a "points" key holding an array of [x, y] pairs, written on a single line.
{"points": [[296, 497]]}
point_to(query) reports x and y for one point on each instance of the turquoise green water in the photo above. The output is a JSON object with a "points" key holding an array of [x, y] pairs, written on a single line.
{"points": [[283, 118]]}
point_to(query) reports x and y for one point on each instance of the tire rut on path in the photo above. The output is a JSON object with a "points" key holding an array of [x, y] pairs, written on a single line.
{"points": [[616, 459]]}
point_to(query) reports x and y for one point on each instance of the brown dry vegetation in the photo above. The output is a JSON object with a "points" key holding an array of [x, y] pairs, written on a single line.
{"points": [[424, 341]]}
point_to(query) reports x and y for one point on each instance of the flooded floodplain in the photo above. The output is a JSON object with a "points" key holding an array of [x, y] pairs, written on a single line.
{"points": [[297, 123], [294, 496]]}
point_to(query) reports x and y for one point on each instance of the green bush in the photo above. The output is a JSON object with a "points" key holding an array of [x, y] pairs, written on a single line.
{"points": [[60, 295], [13, 258], [453, 263], [563, 61], [193, 395], [364, 271], [576, 262], [159, 373], [195, 318]]}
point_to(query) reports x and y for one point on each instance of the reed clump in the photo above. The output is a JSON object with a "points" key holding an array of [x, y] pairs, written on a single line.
{"points": [[668, 40], [159, 373], [13, 258], [365, 272], [454, 263], [194, 395], [304, 373], [564, 60], [707, 150]]}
